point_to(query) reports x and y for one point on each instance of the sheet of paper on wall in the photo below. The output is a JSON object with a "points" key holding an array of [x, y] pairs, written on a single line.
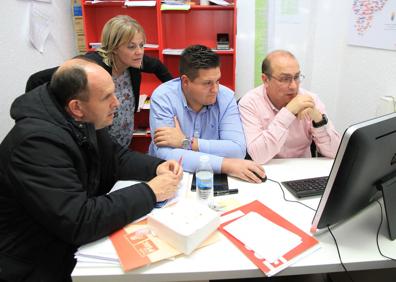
{"points": [[267, 239], [39, 28], [47, 1]]}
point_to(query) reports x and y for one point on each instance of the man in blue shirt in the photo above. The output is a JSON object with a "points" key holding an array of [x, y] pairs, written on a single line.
{"points": [[194, 115]]}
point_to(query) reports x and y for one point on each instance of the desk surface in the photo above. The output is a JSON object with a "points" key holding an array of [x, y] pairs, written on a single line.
{"points": [[356, 238]]}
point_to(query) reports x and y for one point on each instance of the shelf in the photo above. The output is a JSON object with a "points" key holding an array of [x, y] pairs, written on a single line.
{"points": [[177, 52], [138, 134], [96, 15], [168, 33], [181, 29], [117, 4], [225, 52], [104, 4], [212, 7]]}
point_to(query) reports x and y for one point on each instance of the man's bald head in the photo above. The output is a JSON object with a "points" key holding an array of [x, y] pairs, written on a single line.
{"points": [[274, 56], [86, 91], [71, 80]]}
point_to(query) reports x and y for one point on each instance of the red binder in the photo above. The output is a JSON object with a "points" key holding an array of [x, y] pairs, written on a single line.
{"points": [[308, 243]]}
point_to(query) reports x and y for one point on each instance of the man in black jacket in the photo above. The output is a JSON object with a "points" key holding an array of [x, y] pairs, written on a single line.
{"points": [[57, 165]]}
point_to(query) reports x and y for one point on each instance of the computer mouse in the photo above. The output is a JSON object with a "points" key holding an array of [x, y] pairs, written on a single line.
{"points": [[263, 179]]}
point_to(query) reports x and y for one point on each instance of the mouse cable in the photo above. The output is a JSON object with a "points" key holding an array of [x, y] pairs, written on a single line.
{"points": [[378, 231], [291, 201], [339, 255]]}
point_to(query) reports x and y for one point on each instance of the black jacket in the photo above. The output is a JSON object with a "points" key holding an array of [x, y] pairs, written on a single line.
{"points": [[54, 176], [149, 65]]}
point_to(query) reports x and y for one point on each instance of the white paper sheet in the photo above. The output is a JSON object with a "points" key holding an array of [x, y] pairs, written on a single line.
{"points": [[142, 100], [267, 239], [140, 3], [184, 185], [99, 251], [220, 2]]}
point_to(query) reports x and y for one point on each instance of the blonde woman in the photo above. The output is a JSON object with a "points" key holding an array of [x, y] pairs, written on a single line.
{"points": [[122, 56]]}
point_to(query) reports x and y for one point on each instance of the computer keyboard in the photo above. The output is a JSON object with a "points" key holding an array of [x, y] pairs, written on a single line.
{"points": [[307, 187]]}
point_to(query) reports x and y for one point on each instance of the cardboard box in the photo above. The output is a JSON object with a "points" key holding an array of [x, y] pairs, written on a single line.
{"points": [[80, 42], [76, 8], [78, 24], [184, 226]]}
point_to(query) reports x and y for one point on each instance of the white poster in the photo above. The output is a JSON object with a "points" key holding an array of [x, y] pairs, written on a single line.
{"points": [[39, 28], [373, 24]]}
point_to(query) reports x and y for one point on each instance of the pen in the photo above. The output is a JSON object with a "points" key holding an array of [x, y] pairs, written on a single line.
{"points": [[226, 192], [180, 165]]}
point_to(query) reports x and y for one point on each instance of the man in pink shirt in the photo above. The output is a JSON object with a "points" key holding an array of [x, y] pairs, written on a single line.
{"points": [[280, 119]]}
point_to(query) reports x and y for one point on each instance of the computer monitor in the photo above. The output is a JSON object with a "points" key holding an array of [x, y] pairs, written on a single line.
{"points": [[364, 167]]}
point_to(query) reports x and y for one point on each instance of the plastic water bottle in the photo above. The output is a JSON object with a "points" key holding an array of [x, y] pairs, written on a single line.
{"points": [[204, 181]]}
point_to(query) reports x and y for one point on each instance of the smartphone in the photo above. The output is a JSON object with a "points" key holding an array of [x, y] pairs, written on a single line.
{"points": [[220, 182]]}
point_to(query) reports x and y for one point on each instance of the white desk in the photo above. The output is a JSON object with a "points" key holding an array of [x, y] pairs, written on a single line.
{"points": [[222, 260]]}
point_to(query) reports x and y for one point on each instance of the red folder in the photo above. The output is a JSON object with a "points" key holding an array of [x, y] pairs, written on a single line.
{"points": [[136, 246], [308, 243]]}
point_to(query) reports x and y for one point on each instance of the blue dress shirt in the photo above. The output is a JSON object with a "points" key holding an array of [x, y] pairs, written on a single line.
{"points": [[218, 127]]}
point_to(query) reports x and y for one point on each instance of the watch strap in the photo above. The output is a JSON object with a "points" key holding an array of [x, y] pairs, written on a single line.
{"points": [[187, 143], [320, 123], [191, 143]]}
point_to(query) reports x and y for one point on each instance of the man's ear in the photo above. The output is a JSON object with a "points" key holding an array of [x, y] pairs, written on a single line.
{"points": [[185, 80], [264, 78], [75, 110]]}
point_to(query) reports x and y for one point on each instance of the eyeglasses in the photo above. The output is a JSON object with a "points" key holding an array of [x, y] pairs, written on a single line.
{"points": [[287, 79]]}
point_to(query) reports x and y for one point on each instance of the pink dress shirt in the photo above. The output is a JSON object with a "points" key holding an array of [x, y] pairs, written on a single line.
{"points": [[272, 133]]}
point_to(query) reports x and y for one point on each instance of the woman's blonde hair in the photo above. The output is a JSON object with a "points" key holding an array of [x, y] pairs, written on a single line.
{"points": [[117, 31]]}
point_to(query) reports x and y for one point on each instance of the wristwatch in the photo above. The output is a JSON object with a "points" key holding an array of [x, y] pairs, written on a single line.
{"points": [[187, 143], [320, 123]]}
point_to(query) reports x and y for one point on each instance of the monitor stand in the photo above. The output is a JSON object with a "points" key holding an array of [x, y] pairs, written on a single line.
{"points": [[388, 187]]}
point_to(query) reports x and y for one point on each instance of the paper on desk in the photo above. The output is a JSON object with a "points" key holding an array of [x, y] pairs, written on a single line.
{"points": [[137, 246], [181, 191], [100, 251], [267, 239]]}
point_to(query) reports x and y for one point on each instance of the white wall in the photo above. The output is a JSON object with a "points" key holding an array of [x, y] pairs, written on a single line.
{"points": [[348, 79], [19, 59], [245, 46]]}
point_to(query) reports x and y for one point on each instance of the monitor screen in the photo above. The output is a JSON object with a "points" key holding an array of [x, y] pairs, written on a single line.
{"points": [[366, 155]]}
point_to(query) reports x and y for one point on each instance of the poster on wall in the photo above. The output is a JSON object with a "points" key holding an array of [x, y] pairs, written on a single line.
{"points": [[373, 24], [39, 28]]}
